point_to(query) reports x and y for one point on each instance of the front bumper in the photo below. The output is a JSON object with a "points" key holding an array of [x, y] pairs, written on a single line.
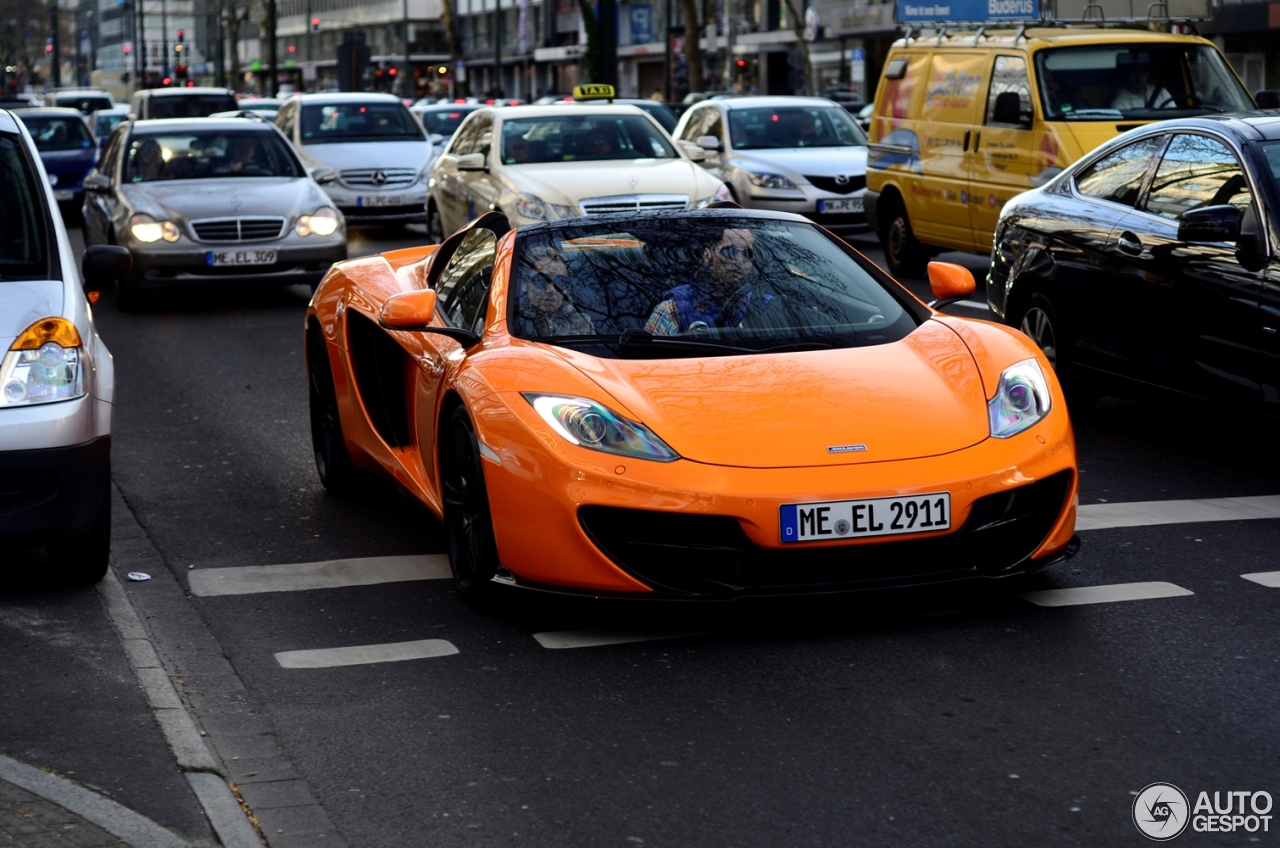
{"points": [[841, 223], [52, 492], [379, 207], [611, 526], [181, 266]]}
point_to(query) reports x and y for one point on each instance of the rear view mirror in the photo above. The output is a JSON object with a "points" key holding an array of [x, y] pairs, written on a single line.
{"points": [[103, 263], [1209, 224], [950, 283], [409, 310]]}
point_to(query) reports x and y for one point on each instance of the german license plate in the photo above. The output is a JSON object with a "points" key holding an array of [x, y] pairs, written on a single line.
{"points": [[845, 204], [64, 194], [219, 258], [381, 200], [812, 522]]}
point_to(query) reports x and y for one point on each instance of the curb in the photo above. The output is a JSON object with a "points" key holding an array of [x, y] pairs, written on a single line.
{"points": [[227, 750]]}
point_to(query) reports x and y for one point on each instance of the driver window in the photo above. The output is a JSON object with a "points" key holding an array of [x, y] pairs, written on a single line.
{"points": [[464, 284], [1197, 171], [464, 139], [1118, 175], [697, 121], [1009, 82]]}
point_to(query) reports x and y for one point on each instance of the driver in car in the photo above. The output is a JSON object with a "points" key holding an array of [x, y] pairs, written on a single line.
{"points": [[705, 302]]}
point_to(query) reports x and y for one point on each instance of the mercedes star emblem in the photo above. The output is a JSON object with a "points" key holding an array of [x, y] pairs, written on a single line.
{"points": [[379, 178]]}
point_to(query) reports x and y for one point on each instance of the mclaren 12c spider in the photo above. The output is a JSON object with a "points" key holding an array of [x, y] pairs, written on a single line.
{"points": [[709, 404]]}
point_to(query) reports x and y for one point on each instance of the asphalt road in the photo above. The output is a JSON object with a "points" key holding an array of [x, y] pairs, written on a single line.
{"points": [[924, 719]]}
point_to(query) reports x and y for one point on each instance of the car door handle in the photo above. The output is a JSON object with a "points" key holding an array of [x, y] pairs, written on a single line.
{"points": [[977, 139], [967, 133], [1129, 243]]}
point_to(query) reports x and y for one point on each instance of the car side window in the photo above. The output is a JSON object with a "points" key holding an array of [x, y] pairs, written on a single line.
{"points": [[1118, 175], [714, 124], [463, 288], [697, 121], [287, 119], [1197, 171], [483, 137], [1009, 82], [465, 138], [111, 159]]}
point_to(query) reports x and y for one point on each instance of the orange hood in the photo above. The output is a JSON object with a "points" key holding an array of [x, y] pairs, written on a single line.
{"points": [[922, 396]]}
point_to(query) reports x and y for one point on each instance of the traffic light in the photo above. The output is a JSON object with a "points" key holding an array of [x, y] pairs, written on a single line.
{"points": [[167, 82], [180, 72], [315, 25], [177, 49], [742, 63], [180, 34], [391, 72]]}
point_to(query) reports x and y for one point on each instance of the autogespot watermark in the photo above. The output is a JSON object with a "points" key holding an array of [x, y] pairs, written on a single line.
{"points": [[1162, 811]]}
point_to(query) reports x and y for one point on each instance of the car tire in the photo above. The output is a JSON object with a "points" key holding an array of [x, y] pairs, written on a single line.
{"points": [[83, 558], [468, 523], [1040, 321], [337, 472], [435, 227], [904, 256]]}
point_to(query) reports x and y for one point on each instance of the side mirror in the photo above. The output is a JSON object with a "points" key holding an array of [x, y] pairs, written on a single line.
{"points": [[1267, 99], [693, 151], [409, 310], [1209, 224], [1008, 109], [472, 162], [436, 139], [103, 263], [708, 142], [324, 176], [97, 182], [950, 283]]}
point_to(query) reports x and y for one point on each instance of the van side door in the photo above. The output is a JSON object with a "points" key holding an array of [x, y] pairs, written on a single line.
{"points": [[1003, 155]]}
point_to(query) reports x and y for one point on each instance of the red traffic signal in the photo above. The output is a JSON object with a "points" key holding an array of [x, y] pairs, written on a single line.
{"points": [[315, 24], [167, 81], [742, 63], [180, 34], [391, 72]]}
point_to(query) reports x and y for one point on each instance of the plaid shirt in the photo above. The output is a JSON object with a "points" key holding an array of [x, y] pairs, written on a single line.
{"points": [[665, 318]]}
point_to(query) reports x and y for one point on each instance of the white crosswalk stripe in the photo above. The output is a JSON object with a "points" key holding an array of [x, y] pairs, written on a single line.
{"points": [[1270, 579], [331, 574], [366, 654], [1149, 513], [1105, 594]]}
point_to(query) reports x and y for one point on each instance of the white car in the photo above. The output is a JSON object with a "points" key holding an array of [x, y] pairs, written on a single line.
{"points": [[790, 154], [543, 163], [376, 146], [57, 384]]}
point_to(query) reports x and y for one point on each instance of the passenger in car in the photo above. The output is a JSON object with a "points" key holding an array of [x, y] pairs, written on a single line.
{"points": [[545, 308], [706, 302]]}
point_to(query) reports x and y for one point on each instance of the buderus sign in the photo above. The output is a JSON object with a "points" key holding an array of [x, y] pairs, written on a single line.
{"points": [[967, 11]]}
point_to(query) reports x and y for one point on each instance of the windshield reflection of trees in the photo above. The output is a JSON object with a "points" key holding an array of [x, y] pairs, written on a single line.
{"points": [[801, 287]]}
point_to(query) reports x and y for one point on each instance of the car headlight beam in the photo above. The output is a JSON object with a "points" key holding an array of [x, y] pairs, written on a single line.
{"points": [[147, 229], [590, 425], [1022, 399], [322, 222], [44, 365]]}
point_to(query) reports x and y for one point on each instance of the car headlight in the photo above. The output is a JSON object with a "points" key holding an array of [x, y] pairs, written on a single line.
{"points": [[770, 181], [148, 229], [536, 209], [43, 365], [722, 193], [1021, 400], [322, 222], [590, 425]]}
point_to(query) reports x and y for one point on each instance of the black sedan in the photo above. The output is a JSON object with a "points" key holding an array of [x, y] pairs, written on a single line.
{"points": [[1154, 261]]}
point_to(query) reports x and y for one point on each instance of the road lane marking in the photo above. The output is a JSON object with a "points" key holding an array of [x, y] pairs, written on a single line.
{"points": [[595, 638], [366, 654], [330, 574], [1105, 594], [1147, 513], [1270, 579]]}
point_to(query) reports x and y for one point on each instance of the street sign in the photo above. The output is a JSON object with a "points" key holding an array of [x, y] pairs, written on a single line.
{"points": [[308, 71], [967, 11], [857, 65], [641, 15]]}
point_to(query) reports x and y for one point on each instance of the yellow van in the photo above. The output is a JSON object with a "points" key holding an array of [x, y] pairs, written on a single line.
{"points": [[963, 121]]}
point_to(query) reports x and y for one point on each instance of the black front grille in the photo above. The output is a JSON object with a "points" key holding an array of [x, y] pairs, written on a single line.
{"points": [[855, 183], [238, 229], [710, 555]]}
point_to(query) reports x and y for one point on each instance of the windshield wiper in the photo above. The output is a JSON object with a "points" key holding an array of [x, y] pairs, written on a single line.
{"points": [[631, 339]]}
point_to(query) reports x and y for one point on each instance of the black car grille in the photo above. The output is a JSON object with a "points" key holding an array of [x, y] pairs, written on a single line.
{"points": [[238, 229], [855, 183], [710, 555]]}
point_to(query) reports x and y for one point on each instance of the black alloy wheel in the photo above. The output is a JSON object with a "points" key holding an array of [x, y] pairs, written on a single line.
{"points": [[82, 558], [1039, 322], [435, 227], [337, 472], [468, 524], [905, 256]]}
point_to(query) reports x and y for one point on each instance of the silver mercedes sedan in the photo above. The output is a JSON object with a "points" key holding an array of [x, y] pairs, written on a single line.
{"points": [[200, 201]]}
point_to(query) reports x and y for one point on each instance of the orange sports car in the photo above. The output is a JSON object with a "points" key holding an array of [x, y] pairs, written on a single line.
{"points": [[706, 404]]}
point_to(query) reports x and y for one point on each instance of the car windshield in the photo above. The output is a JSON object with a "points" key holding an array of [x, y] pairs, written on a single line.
{"points": [[444, 121], [63, 132], [189, 105], [104, 124], [661, 113], [793, 126], [86, 103], [1147, 81], [24, 249], [582, 138], [196, 155], [703, 285], [337, 122]]}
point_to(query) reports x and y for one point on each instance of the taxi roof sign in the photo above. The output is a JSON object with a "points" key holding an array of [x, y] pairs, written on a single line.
{"points": [[593, 92]]}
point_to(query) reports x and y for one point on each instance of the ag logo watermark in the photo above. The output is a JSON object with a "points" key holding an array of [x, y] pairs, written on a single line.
{"points": [[1160, 811]]}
